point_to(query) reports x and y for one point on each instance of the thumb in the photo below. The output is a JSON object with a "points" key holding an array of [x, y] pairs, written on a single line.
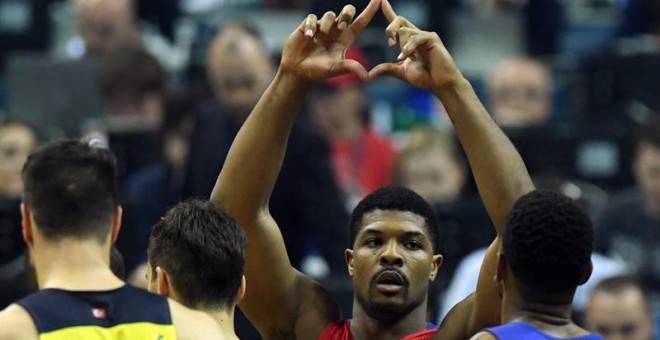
{"points": [[350, 66], [387, 69]]}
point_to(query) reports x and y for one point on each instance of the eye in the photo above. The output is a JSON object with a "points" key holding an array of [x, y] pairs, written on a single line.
{"points": [[413, 245], [373, 242]]}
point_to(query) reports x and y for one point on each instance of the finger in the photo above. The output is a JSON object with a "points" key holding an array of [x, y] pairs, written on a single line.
{"points": [[387, 69], [327, 21], [411, 46], [365, 17], [393, 31], [387, 10], [310, 25], [345, 17]]}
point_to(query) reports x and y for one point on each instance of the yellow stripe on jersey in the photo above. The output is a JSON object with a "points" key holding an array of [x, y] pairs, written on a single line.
{"points": [[138, 330]]}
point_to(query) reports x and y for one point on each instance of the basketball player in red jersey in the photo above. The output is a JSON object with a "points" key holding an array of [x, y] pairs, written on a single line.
{"points": [[392, 258]]}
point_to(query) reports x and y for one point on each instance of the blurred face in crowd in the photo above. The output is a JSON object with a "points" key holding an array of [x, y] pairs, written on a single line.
{"points": [[434, 174], [16, 143], [104, 25], [239, 69], [392, 263], [621, 315], [339, 121], [647, 172], [520, 93]]}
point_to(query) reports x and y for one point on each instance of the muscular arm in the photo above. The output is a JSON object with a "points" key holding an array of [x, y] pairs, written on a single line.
{"points": [[244, 187], [498, 169]]}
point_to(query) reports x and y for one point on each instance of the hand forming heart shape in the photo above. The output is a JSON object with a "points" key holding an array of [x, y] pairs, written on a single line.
{"points": [[317, 49]]}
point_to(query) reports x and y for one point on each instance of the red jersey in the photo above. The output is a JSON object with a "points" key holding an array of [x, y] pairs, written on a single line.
{"points": [[342, 331]]}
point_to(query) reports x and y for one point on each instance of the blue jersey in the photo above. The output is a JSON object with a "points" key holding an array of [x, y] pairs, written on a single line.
{"points": [[519, 330]]}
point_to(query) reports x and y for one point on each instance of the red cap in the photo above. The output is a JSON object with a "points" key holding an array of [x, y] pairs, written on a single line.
{"points": [[350, 79]]}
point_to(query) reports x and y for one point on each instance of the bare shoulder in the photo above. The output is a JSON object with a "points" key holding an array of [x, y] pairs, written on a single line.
{"points": [[17, 324], [483, 335], [317, 308], [191, 324], [455, 325]]}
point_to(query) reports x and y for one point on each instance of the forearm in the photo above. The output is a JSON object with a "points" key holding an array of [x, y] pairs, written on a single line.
{"points": [[256, 155], [499, 171]]}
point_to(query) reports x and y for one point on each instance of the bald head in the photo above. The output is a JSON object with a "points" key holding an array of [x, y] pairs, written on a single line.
{"points": [[520, 93], [106, 24], [239, 68]]}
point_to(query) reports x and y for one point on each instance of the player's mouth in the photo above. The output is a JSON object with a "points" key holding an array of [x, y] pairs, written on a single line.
{"points": [[390, 282]]}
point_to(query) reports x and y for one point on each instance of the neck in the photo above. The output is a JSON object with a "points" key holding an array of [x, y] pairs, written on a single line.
{"points": [[74, 265], [364, 326], [538, 314], [225, 319]]}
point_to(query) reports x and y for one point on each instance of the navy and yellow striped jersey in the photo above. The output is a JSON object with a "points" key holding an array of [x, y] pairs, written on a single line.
{"points": [[122, 313]]}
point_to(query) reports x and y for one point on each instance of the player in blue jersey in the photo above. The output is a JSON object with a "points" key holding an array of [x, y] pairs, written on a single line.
{"points": [[546, 254]]}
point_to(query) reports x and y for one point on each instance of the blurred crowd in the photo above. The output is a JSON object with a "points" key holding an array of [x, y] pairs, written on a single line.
{"points": [[167, 84]]}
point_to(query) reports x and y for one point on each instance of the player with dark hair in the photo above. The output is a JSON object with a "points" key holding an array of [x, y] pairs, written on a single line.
{"points": [[70, 218], [546, 254], [393, 257], [196, 257]]}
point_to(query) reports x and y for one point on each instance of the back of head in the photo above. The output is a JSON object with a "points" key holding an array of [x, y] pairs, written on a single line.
{"points": [[202, 248], [520, 93], [399, 199], [239, 67], [547, 243], [71, 190]]}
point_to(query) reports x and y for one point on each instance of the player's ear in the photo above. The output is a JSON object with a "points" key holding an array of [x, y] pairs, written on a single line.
{"points": [[162, 282], [435, 266], [241, 291], [349, 261], [26, 224], [587, 273], [500, 275]]}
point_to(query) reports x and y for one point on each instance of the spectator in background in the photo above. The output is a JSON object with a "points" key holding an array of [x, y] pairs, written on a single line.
{"points": [[620, 309], [520, 93], [150, 191], [431, 165], [132, 86], [16, 142], [105, 25], [629, 225], [362, 159], [239, 70]]}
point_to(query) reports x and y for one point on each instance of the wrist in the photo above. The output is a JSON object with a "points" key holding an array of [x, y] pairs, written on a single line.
{"points": [[290, 77], [452, 88]]}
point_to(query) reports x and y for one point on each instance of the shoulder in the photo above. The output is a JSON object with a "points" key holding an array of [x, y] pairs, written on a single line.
{"points": [[455, 324], [191, 324], [317, 312], [484, 335], [17, 324]]}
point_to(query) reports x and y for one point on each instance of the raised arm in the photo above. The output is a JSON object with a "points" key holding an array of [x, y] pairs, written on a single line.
{"points": [[276, 293], [498, 169]]}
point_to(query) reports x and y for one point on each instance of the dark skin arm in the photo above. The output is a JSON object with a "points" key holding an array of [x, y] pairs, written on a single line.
{"points": [[499, 171], [281, 301]]}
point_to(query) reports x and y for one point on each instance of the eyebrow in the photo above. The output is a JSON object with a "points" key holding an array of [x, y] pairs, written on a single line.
{"points": [[407, 234]]}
